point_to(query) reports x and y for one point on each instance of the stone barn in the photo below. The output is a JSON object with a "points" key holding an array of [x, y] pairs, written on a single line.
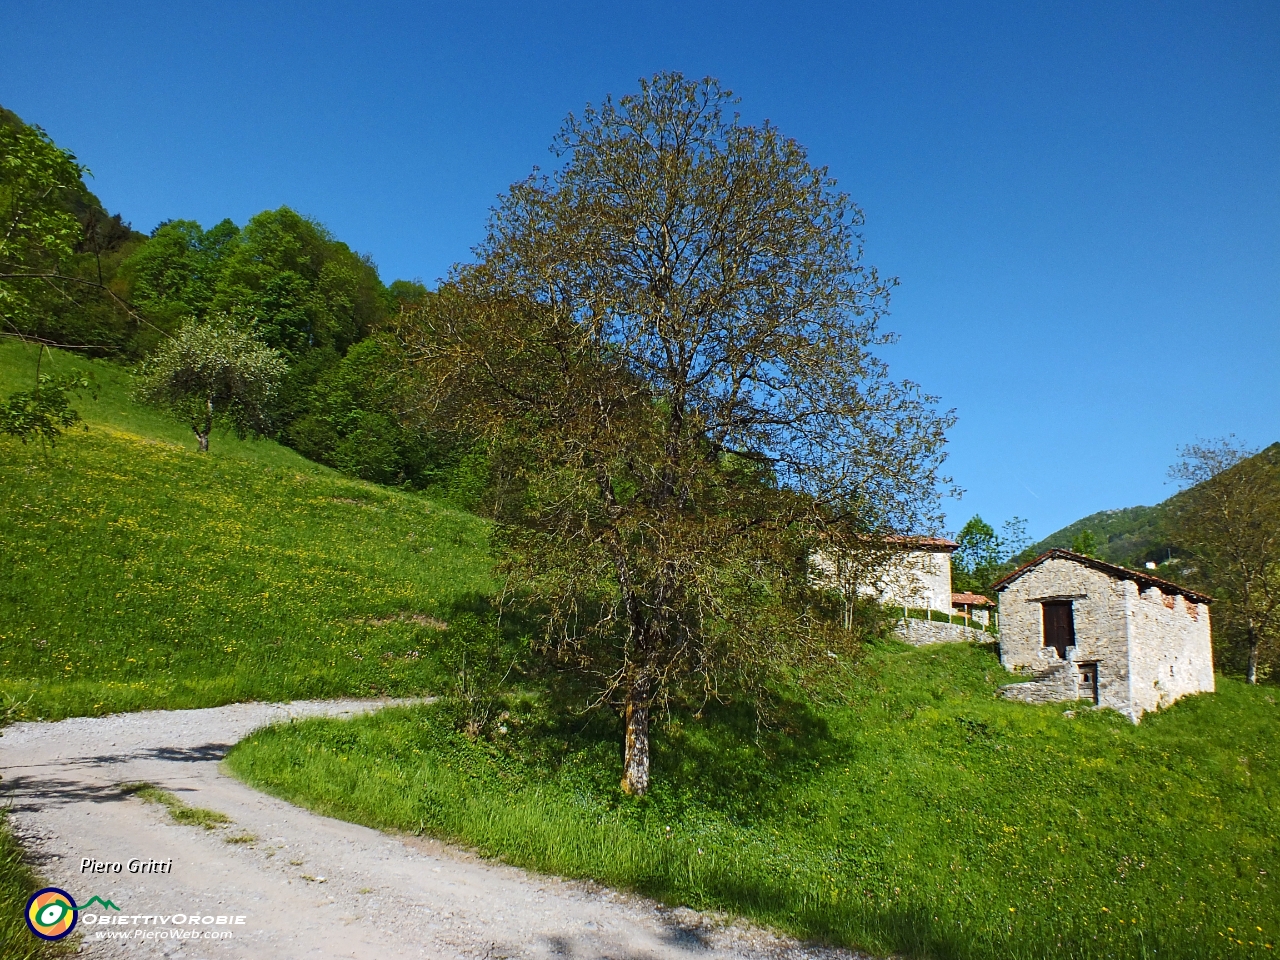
{"points": [[1095, 631]]}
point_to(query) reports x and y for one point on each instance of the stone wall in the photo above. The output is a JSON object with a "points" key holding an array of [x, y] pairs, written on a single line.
{"points": [[1098, 609], [1060, 682], [1171, 655], [1150, 649], [920, 632]]}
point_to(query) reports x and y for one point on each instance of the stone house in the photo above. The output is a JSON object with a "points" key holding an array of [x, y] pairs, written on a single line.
{"points": [[913, 573], [1095, 631], [917, 575]]}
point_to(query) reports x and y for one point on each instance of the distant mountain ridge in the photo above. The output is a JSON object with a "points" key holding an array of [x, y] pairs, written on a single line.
{"points": [[1129, 536]]}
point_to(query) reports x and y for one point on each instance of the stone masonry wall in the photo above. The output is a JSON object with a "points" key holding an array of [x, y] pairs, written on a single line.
{"points": [[1171, 655], [1098, 609], [919, 579], [1060, 682], [920, 632]]}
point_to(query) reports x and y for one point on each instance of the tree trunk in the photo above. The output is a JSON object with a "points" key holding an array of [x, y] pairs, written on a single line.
{"points": [[202, 438], [1251, 672], [635, 764]]}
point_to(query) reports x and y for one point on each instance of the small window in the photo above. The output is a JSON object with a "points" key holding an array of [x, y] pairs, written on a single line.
{"points": [[1059, 626]]}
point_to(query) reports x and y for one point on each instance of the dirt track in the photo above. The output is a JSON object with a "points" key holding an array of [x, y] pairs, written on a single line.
{"points": [[309, 886]]}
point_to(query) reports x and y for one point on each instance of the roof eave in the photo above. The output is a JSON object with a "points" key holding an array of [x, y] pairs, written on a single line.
{"points": [[1111, 569]]}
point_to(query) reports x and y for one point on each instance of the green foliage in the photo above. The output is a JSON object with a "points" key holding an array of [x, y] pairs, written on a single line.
{"points": [[351, 424], [213, 372], [174, 276], [58, 248], [17, 883], [37, 232], [104, 287], [43, 412], [1129, 537], [305, 288], [137, 576], [1228, 521], [1085, 543], [670, 341], [901, 807], [984, 556], [34, 174]]}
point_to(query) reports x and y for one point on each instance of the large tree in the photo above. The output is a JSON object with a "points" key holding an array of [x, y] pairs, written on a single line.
{"points": [[670, 341], [982, 556], [59, 248], [1229, 521], [213, 372], [38, 232]]}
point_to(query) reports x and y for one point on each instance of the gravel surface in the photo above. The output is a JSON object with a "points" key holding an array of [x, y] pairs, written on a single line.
{"points": [[297, 884]]}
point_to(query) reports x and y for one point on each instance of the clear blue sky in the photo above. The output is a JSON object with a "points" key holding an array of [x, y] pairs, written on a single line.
{"points": [[1082, 200]]}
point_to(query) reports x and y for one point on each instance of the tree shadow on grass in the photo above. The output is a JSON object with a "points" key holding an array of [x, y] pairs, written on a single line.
{"points": [[726, 758], [740, 757]]}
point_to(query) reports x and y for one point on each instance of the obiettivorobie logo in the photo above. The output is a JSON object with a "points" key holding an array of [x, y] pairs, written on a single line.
{"points": [[52, 913]]}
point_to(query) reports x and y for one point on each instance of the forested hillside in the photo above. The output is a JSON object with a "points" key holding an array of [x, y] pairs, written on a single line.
{"points": [[85, 279], [1130, 536]]}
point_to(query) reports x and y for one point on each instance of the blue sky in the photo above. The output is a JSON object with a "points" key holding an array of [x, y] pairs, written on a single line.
{"points": [[1081, 200]]}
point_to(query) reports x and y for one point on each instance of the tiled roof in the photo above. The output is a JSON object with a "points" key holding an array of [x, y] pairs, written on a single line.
{"points": [[972, 599], [1143, 580], [927, 543]]}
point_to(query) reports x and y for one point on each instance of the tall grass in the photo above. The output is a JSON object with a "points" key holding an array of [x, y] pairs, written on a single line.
{"points": [[909, 810]]}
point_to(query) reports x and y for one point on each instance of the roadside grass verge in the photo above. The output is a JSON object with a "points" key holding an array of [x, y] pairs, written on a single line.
{"points": [[906, 809], [140, 574], [17, 883]]}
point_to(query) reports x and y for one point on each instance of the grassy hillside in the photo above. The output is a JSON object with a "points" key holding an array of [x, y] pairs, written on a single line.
{"points": [[904, 809], [140, 573]]}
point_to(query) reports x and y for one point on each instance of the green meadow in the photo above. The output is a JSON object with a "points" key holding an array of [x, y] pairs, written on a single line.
{"points": [[894, 804], [903, 808], [140, 574]]}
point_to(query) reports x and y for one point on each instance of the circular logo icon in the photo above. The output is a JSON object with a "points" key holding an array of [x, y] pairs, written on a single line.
{"points": [[51, 913]]}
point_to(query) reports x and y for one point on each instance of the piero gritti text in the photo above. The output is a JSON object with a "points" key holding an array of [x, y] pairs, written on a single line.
{"points": [[88, 865]]}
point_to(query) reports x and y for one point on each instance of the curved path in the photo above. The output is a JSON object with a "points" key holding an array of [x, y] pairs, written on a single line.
{"points": [[306, 886]]}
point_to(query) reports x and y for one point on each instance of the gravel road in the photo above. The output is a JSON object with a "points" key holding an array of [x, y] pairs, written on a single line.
{"points": [[307, 886]]}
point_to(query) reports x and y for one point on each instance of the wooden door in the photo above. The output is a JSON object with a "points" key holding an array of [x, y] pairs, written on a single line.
{"points": [[1059, 626], [1089, 681]]}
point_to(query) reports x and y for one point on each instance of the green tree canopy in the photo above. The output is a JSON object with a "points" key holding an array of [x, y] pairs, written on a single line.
{"points": [[59, 248], [175, 275], [1228, 520], [306, 289], [983, 556], [671, 338], [38, 233]]}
